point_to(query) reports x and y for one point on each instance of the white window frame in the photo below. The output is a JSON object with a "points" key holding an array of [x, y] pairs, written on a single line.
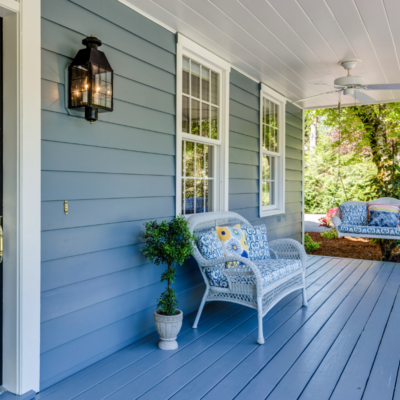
{"points": [[190, 49], [279, 206]]}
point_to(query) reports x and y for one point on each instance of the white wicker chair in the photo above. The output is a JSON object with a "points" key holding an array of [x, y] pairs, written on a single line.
{"points": [[384, 200], [257, 296]]}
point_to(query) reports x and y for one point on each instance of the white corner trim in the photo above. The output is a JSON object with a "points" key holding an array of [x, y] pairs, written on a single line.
{"points": [[272, 93], [8, 7], [22, 197], [148, 16], [302, 177], [192, 47]]}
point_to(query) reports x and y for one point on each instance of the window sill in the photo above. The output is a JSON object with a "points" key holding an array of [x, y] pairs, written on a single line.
{"points": [[269, 213]]}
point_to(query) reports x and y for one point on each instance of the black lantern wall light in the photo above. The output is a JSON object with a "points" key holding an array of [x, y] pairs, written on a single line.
{"points": [[90, 82]]}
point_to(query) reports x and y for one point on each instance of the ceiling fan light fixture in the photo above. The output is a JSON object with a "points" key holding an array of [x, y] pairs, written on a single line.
{"points": [[348, 91], [349, 81]]}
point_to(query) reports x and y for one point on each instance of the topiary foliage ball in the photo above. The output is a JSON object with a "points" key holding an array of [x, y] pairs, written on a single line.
{"points": [[168, 243]]}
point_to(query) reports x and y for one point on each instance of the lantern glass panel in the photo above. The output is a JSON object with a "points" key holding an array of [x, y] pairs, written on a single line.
{"points": [[80, 85], [102, 87]]}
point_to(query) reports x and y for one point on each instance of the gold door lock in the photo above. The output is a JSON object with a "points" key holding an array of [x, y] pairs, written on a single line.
{"points": [[1, 241]]}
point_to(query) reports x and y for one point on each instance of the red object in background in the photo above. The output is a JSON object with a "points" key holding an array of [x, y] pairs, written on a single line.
{"points": [[327, 220]]}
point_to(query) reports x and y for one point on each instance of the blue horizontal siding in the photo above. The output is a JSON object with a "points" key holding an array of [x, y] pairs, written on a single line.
{"points": [[244, 160], [98, 291]]}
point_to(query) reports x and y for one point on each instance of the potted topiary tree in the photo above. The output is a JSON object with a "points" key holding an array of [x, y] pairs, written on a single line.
{"points": [[168, 243]]}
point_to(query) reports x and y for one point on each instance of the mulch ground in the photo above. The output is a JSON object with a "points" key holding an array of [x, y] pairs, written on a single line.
{"points": [[346, 247]]}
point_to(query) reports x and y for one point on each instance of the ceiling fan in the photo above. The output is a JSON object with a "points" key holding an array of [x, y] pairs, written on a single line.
{"points": [[353, 85]]}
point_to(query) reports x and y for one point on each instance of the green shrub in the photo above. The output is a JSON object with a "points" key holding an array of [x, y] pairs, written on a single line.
{"points": [[332, 234], [309, 244], [168, 243]]}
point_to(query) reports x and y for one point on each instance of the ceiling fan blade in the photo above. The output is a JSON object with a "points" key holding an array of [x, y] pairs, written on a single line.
{"points": [[363, 98], [326, 84], [383, 86], [317, 95]]}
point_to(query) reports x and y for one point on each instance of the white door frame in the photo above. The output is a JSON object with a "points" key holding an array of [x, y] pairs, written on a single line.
{"points": [[21, 204]]}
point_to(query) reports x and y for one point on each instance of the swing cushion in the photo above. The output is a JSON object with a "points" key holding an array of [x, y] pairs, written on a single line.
{"points": [[369, 230], [354, 215], [384, 219]]}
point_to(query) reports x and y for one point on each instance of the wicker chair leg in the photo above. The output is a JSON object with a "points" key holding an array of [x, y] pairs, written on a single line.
{"points": [[203, 301], [260, 339], [305, 302]]}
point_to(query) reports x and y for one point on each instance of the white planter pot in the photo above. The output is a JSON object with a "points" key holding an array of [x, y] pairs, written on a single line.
{"points": [[168, 328]]}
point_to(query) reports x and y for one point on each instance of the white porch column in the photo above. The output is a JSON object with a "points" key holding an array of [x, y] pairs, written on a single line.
{"points": [[22, 163]]}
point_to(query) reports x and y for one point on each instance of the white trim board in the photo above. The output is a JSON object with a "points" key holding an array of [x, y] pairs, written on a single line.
{"points": [[22, 196], [194, 51], [279, 206], [148, 16]]}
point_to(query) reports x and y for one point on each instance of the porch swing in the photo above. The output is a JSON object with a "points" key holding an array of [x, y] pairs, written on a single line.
{"points": [[360, 227]]}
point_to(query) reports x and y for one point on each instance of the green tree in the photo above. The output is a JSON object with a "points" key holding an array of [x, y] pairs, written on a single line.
{"points": [[168, 243], [372, 131]]}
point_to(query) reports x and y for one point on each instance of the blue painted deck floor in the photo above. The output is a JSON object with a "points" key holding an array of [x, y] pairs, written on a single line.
{"points": [[345, 345]]}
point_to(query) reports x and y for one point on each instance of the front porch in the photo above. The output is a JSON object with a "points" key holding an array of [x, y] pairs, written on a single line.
{"points": [[344, 345]]}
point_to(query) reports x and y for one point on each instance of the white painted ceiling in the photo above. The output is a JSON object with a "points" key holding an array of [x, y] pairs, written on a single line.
{"points": [[292, 44]]}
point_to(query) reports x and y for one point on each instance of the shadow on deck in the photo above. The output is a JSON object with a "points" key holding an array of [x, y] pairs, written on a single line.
{"points": [[345, 345]]}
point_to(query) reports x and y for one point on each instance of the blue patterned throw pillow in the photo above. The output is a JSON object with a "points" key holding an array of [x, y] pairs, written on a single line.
{"points": [[384, 219], [256, 238], [354, 215], [211, 248]]}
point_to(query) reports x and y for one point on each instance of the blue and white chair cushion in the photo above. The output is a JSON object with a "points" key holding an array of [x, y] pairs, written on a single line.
{"points": [[354, 215], [369, 230], [384, 219], [256, 238], [271, 271], [211, 248]]}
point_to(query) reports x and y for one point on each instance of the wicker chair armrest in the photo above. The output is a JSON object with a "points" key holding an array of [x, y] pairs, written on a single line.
{"points": [[289, 249], [336, 222]]}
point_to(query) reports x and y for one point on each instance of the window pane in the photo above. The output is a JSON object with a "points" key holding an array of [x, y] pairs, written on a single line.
{"points": [[272, 193], [214, 122], [266, 137], [189, 196], [200, 166], [195, 117], [266, 111], [205, 116], [200, 195], [205, 84], [275, 140], [208, 161], [276, 115], [273, 168], [214, 88], [185, 114], [195, 79], [208, 196], [265, 194], [185, 75], [265, 168], [197, 185], [188, 158]]}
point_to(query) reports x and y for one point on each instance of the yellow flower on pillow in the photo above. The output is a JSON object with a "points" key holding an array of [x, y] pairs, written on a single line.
{"points": [[234, 242]]}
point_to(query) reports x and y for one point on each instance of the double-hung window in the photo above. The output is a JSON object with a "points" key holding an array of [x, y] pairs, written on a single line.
{"points": [[202, 129], [272, 152]]}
